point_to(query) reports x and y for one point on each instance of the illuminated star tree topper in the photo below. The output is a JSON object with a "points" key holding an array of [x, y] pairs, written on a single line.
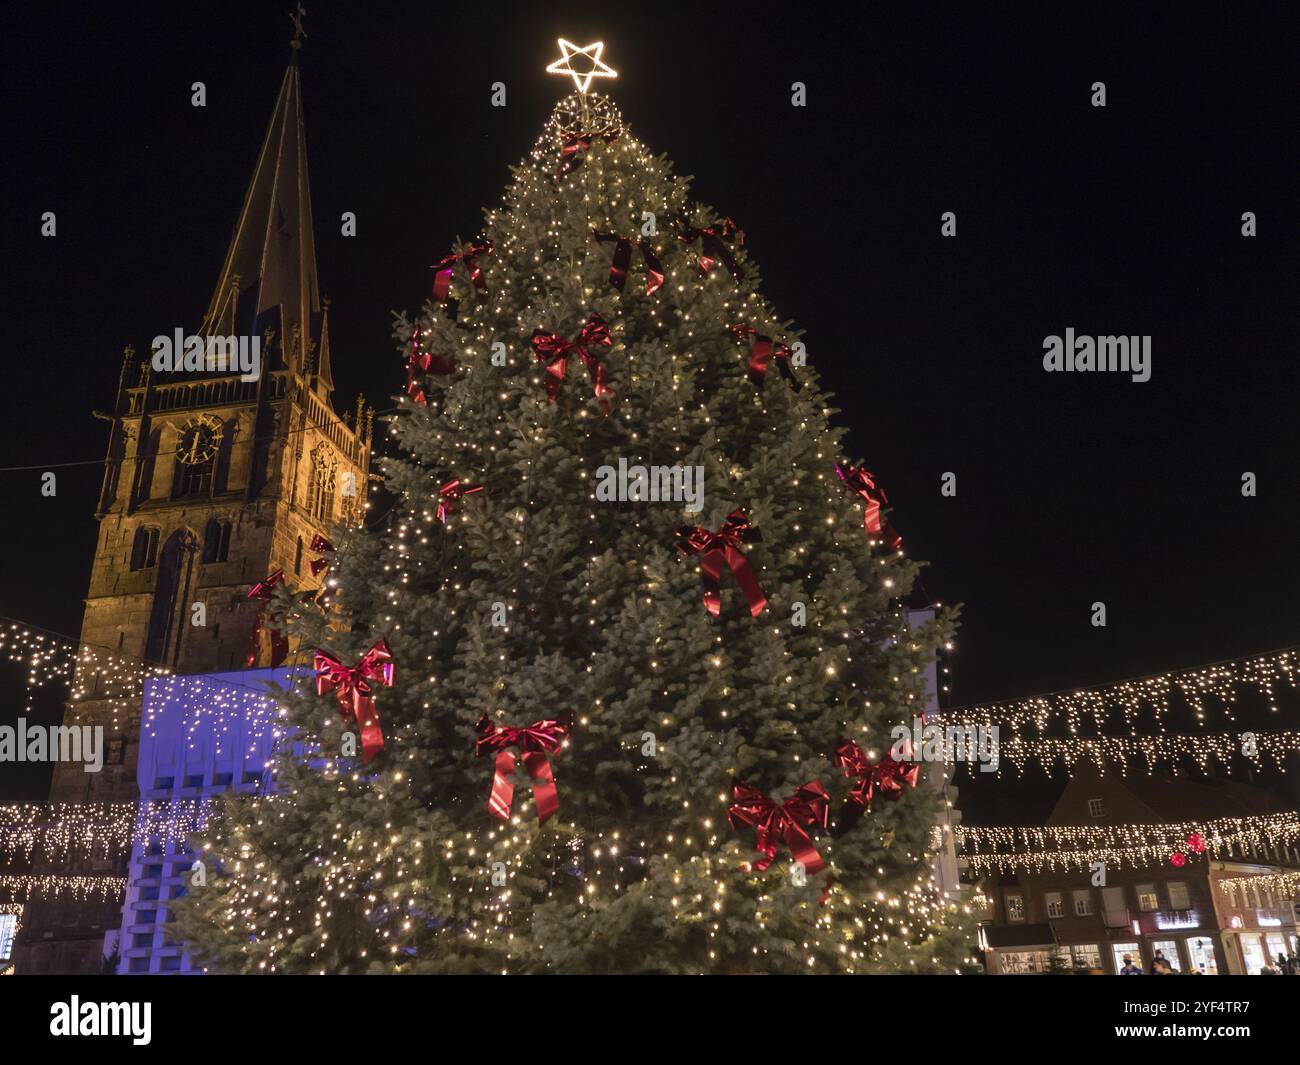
{"points": [[589, 64]]}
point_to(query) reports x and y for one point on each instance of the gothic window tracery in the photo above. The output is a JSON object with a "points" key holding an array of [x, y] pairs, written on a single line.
{"points": [[320, 491]]}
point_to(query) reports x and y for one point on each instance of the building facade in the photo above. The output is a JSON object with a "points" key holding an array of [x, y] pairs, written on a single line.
{"points": [[1191, 915], [211, 483]]}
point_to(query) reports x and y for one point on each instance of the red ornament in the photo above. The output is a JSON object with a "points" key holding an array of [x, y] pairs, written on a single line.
{"points": [[623, 259], [863, 482], [262, 591], [713, 247], [808, 806], [420, 362], [536, 742], [449, 492], [1178, 859], [576, 141], [354, 690], [554, 350], [469, 255], [1196, 843], [761, 351], [320, 545], [889, 774], [720, 548]]}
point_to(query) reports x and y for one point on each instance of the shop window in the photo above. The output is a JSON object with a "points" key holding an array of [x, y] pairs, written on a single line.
{"points": [[1024, 961], [1169, 949], [1120, 950]]}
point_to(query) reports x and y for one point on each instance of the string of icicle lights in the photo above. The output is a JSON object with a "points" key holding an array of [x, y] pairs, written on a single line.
{"points": [[1219, 681], [116, 682], [1169, 833], [217, 710], [66, 830], [81, 888], [87, 673], [1078, 847], [1145, 754], [1285, 885]]}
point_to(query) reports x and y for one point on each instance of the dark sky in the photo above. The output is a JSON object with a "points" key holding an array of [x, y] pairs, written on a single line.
{"points": [[1124, 220]]}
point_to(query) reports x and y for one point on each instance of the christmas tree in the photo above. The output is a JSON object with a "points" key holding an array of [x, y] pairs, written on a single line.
{"points": [[646, 629]]}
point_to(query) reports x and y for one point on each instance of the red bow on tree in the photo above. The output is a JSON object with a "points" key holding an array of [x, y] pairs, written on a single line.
{"points": [[889, 774], [761, 351], [720, 548], [864, 484], [577, 141], [553, 349], [449, 492], [446, 268], [536, 742], [419, 363], [320, 545], [713, 247], [623, 259], [353, 688], [263, 591], [809, 805]]}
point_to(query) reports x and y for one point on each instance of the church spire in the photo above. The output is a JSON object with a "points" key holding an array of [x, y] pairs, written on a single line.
{"points": [[324, 372], [272, 258]]}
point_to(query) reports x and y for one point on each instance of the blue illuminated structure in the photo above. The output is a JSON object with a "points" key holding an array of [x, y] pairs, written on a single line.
{"points": [[200, 736]]}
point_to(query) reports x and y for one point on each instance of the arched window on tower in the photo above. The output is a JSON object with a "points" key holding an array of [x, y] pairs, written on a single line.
{"points": [[297, 559], [216, 541], [144, 548], [320, 492]]}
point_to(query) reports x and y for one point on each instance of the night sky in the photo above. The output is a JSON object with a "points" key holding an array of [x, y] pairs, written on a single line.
{"points": [[1072, 488]]}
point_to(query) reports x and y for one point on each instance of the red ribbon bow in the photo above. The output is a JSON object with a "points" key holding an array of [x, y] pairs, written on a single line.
{"points": [[448, 494], [713, 247], [576, 141], [353, 688], [536, 742], [553, 349], [889, 774], [809, 805], [623, 259], [263, 591], [446, 268], [420, 362], [761, 350], [319, 545], [863, 482], [723, 547]]}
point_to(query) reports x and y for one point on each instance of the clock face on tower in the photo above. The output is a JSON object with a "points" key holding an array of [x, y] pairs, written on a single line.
{"points": [[199, 441]]}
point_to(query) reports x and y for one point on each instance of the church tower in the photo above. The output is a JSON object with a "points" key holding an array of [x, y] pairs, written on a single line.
{"points": [[211, 484]]}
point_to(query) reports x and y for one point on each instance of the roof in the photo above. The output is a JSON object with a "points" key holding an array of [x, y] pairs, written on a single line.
{"points": [[1019, 935], [1162, 798]]}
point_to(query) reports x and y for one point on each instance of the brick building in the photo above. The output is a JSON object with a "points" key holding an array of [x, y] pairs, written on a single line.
{"points": [[211, 483], [1187, 913]]}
